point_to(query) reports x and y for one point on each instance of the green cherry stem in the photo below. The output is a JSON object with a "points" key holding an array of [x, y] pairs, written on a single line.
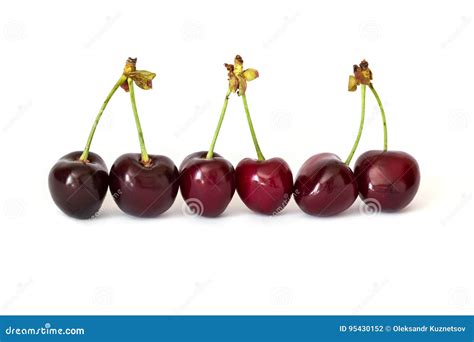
{"points": [[145, 158], [85, 153], [384, 119], [252, 131], [210, 153], [361, 125]]}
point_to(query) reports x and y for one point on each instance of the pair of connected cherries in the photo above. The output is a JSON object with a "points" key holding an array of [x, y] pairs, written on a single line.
{"points": [[141, 184], [385, 180], [146, 185], [208, 181]]}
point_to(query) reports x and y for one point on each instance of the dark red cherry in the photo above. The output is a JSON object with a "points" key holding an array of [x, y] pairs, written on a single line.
{"points": [[207, 185], [78, 188], [391, 178], [265, 186], [144, 191], [325, 186]]}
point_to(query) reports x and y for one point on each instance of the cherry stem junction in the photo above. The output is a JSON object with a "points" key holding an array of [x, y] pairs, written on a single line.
{"points": [[210, 153], [85, 153], [384, 119], [145, 159], [252, 131], [361, 125]]}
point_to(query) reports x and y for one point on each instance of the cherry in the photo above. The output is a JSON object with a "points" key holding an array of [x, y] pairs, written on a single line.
{"points": [[141, 184], [76, 182], [265, 186], [325, 186], [78, 187], [207, 184], [207, 181], [144, 191], [386, 179], [390, 178]]}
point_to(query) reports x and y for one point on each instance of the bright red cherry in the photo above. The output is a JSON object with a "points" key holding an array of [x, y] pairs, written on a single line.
{"points": [[265, 186], [388, 178], [391, 178]]}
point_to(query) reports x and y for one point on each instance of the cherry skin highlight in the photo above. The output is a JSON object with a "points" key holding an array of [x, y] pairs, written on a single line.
{"points": [[265, 186], [391, 178], [144, 191], [325, 186], [79, 187], [207, 185]]}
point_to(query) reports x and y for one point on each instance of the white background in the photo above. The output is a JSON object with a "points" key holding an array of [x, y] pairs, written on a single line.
{"points": [[58, 61]]}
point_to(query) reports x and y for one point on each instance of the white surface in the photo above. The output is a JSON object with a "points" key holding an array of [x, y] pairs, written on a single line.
{"points": [[59, 60]]}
